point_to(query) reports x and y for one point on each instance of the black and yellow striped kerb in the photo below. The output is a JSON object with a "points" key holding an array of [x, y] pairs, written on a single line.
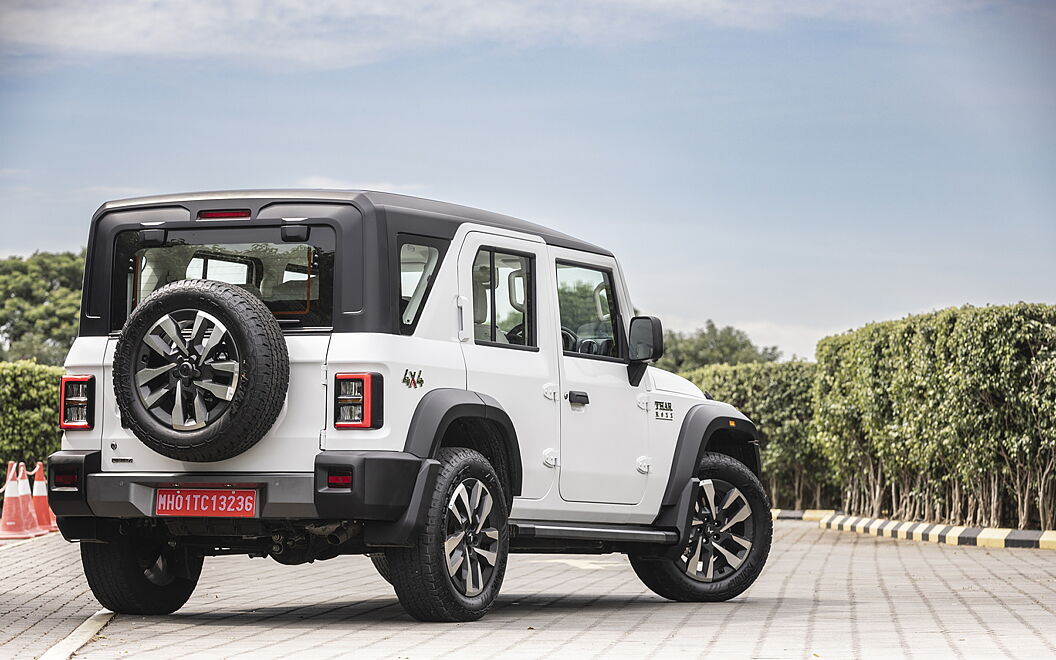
{"points": [[986, 537]]}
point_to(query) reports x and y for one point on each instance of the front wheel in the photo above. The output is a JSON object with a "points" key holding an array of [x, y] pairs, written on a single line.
{"points": [[139, 575], [729, 539], [454, 570]]}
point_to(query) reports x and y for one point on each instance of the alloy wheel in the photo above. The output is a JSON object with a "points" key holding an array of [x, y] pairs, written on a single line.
{"points": [[721, 532], [472, 539], [187, 369]]}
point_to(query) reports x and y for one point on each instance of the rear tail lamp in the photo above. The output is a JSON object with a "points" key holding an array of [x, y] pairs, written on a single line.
{"points": [[77, 403], [339, 480], [358, 401]]}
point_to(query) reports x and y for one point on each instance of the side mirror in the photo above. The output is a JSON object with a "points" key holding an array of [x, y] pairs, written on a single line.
{"points": [[646, 339], [646, 344]]}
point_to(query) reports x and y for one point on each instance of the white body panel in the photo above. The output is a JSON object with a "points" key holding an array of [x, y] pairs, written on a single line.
{"points": [[290, 445], [518, 379], [602, 441], [438, 360], [86, 358]]}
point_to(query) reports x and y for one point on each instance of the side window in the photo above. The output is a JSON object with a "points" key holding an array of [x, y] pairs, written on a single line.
{"points": [[419, 260], [503, 305], [588, 311]]}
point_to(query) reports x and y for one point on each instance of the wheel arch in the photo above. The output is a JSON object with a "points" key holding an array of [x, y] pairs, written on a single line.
{"points": [[706, 429], [478, 421]]}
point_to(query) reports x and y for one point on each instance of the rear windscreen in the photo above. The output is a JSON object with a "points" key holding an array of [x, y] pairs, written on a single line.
{"points": [[293, 279]]}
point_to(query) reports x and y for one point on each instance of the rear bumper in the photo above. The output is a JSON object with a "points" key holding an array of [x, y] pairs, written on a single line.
{"points": [[384, 486]]}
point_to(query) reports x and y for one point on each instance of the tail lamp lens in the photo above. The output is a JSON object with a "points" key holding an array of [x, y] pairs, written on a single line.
{"points": [[77, 403], [357, 401]]}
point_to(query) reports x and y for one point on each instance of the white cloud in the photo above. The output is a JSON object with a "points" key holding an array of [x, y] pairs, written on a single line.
{"points": [[338, 34], [326, 182]]}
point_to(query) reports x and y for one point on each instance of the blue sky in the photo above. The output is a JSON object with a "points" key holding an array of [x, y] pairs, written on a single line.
{"points": [[794, 169]]}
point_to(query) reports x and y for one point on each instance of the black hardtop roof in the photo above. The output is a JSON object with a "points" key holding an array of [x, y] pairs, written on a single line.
{"points": [[366, 200]]}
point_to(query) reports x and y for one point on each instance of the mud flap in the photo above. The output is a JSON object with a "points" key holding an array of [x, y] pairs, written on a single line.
{"points": [[680, 518], [404, 531]]}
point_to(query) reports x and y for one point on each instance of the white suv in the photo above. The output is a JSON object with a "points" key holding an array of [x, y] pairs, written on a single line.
{"points": [[307, 374]]}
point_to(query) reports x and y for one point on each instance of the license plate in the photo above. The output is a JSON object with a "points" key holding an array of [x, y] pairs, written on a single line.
{"points": [[206, 502]]}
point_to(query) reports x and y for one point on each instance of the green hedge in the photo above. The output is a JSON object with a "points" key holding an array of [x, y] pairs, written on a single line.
{"points": [[29, 411], [947, 417], [777, 397]]}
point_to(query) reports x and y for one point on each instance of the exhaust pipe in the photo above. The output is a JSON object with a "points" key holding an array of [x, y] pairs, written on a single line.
{"points": [[335, 533], [339, 535]]}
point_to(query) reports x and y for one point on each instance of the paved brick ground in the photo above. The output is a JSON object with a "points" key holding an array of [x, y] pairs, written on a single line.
{"points": [[43, 595], [832, 594]]}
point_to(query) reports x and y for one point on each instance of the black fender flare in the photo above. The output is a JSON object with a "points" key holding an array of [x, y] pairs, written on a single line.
{"points": [[700, 427], [439, 408]]}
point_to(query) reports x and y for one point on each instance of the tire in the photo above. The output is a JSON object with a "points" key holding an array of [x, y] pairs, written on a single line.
{"points": [[230, 390], [381, 564], [138, 576], [734, 567], [427, 589]]}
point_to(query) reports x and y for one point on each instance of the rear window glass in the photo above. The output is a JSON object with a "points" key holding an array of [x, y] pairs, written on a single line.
{"points": [[293, 279]]}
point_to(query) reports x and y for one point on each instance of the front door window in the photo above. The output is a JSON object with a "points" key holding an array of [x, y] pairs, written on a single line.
{"points": [[588, 311]]}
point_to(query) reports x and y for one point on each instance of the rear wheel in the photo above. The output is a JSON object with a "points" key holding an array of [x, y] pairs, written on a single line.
{"points": [[138, 575], [729, 538], [455, 569]]}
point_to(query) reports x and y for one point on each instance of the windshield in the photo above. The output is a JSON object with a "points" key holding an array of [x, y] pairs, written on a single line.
{"points": [[293, 279]]}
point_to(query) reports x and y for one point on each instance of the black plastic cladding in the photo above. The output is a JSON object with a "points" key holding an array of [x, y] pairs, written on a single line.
{"points": [[366, 225]]}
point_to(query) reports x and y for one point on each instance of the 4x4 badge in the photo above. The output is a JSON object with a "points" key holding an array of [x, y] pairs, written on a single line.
{"points": [[412, 379]]}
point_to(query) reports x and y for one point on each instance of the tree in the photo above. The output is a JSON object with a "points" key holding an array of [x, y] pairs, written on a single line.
{"points": [[40, 299], [712, 345]]}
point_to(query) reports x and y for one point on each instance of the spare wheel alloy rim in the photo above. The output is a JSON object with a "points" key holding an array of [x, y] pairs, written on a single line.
{"points": [[472, 539], [186, 369]]}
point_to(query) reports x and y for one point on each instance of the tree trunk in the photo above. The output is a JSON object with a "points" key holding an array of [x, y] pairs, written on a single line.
{"points": [[1046, 495], [995, 501]]}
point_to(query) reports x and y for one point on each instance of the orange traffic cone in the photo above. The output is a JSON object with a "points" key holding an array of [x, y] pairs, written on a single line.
{"points": [[25, 493], [45, 518], [14, 523]]}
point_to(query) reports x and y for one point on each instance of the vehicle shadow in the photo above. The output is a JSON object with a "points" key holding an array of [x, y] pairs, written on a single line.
{"points": [[541, 609]]}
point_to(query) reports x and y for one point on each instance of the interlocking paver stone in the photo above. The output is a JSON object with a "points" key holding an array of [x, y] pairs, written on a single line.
{"points": [[43, 595], [825, 593]]}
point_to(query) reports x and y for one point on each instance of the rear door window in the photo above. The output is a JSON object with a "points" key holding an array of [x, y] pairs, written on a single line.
{"points": [[503, 308]]}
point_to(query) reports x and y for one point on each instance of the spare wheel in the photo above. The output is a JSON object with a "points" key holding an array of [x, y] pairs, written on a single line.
{"points": [[200, 370]]}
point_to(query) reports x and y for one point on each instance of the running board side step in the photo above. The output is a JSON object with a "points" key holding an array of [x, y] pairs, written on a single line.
{"points": [[590, 532]]}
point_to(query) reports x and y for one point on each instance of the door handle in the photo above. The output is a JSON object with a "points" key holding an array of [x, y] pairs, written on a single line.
{"points": [[578, 397]]}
